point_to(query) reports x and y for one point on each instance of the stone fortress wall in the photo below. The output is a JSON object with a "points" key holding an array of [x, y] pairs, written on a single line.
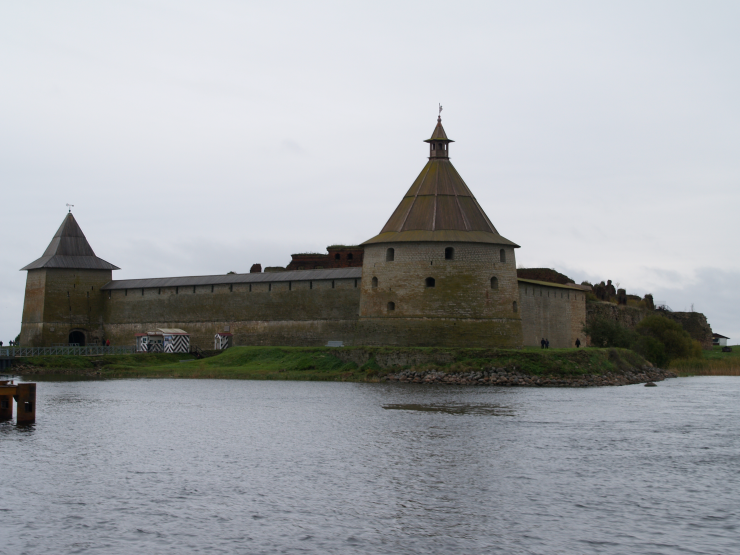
{"points": [[301, 312], [553, 312], [438, 274], [60, 301], [441, 294]]}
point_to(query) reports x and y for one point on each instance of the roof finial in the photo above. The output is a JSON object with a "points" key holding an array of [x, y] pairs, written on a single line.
{"points": [[70, 206], [439, 117]]}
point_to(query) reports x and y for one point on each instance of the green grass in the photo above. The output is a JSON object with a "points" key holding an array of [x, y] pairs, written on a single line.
{"points": [[712, 363], [342, 364], [91, 363]]}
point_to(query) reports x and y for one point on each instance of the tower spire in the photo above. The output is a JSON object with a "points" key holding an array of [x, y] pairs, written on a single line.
{"points": [[439, 143]]}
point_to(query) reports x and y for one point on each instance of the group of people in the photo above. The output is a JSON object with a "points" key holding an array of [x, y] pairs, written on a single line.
{"points": [[546, 343], [11, 343]]}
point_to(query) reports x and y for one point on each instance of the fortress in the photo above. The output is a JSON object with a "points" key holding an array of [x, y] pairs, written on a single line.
{"points": [[437, 274]]}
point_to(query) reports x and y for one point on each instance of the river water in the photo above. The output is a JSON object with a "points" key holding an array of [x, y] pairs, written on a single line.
{"points": [[211, 466]]}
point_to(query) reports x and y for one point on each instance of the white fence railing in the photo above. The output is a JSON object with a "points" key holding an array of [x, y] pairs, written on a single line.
{"points": [[52, 351]]}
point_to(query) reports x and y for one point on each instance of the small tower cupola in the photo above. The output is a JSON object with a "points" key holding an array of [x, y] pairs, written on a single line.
{"points": [[439, 143]]}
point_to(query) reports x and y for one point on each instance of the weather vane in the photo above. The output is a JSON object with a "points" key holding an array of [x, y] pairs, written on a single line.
{"points": [[70, 206], [440, 109]]}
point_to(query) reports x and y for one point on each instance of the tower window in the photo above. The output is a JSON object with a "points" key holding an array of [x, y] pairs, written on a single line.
{"points": [[449, 253], [310, 284], [212, 287], [290, 286], [177, 290], [125, 293], [355, 284], [390, 255], [502, 255], [516, 308], [391, 306], [159, 291], [429, 282], [142, 292], [375, 283], [332, 284], [193, 289], [231, 287], [269, 286], [494, 282], [337, 256], [350, 257], [250, 287]]}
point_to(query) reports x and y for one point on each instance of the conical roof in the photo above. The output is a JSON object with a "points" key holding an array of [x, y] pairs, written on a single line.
{"points": [[69, 249], [439, 133], [439, 207]]}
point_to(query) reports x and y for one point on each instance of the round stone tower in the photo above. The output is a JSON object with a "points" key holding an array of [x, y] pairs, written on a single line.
{"points": [[439, 273]]}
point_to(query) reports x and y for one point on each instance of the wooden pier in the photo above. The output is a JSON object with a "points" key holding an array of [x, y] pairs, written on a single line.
{"points": [[25, 397]]}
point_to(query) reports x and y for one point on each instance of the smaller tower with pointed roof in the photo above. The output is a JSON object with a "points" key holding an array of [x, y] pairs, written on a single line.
{"points": [[64, 301], [439, 273]]}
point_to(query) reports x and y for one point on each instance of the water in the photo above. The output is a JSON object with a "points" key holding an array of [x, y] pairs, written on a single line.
{"points": [[208, 466]]}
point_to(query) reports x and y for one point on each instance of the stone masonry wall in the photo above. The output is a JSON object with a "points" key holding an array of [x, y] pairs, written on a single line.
{"points": [[257, 313], [59, 301], [460, 309], [552, 313], [462, 285]]}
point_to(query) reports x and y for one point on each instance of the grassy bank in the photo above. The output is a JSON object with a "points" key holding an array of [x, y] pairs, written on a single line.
{"points": [[712, 363], [341, 364]]}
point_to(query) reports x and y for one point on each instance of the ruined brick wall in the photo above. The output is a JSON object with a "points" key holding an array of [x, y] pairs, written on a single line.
{"points": [[695, 323], [338, 257], [460, 309], [627, 316], [543, 274], [553, 313], [59, 301]]}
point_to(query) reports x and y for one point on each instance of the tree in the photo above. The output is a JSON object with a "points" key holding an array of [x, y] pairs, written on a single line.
{"points": [[676, 341], [656, 338], [609, 333]]}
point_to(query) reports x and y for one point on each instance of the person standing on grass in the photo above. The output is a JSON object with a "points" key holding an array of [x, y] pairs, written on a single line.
{"points": [[542, 342], [578, 343], [547, 343]]}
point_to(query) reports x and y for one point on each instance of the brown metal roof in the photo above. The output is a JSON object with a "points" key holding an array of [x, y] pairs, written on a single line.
{"points": [[439, 201], [439, 133], [270, 277], [558, 285], [69, 249]]}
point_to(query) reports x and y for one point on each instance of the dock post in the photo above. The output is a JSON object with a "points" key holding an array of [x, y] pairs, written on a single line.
{"points": [[6, 402], [26, 398]]}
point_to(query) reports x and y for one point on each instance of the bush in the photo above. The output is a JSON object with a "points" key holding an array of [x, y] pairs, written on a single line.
{"points": [[608, 333], [656, 338], [651, 349], [676, 341]]}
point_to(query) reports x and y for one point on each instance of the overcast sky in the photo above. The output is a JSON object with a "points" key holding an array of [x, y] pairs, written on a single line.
{"points": [[200, 137]]}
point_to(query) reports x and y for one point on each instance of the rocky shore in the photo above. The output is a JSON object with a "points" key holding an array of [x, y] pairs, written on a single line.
{"points": [[512, 377]]}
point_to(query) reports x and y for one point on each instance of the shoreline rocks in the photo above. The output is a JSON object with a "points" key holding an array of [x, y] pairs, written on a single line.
{"points": [[504, 377]]}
